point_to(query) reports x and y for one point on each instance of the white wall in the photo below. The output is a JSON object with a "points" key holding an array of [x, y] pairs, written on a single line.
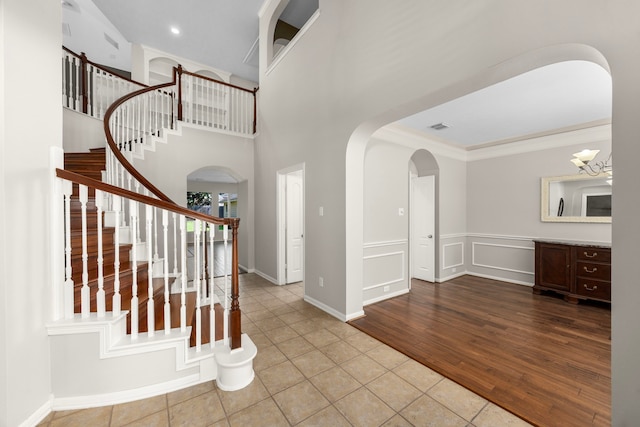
{"points": [[366, 63], [30, 48], [81, 132], [169, 166]]}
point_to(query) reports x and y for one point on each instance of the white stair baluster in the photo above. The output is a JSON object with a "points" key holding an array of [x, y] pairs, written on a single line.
{"points": [[65, 79], [151, 319], [117, 298], [76, 80], [84, 293], [133, 212], [183, 244], [196, 278], [156, 257], [225, 305], [89, 94], [167, 305], [100, 296], [212, 311], [67, 189], [175, 245]]}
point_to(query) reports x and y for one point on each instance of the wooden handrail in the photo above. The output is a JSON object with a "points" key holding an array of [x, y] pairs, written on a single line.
{"points": [[235, 318], [216, 81], [116, 151], [162, 204], [86, 60]]}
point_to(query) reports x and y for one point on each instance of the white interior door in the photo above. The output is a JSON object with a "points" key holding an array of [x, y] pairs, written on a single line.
{"points": [[294, 213], [423, 228]]}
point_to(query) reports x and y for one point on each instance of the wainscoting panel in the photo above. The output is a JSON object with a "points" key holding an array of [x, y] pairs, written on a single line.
{"points": [[385, 267], [452, 256], [503, 258]]}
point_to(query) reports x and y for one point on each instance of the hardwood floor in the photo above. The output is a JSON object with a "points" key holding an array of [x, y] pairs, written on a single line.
{"points": [[545, 360]]}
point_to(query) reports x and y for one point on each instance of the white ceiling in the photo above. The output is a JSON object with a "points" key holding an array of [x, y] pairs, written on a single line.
{"points": [[222, 33], [560, 96], [218, 33]]}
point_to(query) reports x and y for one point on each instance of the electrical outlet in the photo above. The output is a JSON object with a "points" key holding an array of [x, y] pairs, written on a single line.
{"points": [[386, 289], [321, 282], [321, 211], [454, 269]]}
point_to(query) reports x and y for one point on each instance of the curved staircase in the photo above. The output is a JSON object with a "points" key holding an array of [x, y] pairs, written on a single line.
{"points": [[133, 317]]}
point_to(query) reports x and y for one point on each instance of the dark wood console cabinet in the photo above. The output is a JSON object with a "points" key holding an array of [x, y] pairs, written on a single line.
{"points": [[575, 270]]}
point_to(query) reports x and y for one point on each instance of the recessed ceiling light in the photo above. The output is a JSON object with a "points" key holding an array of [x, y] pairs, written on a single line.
{"points": [[439, 126], [175, 30]]}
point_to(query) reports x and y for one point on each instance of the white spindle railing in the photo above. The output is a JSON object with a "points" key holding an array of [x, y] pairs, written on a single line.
{"points": [[89, 88], [209, 103], [131, 123], [100, 282]]}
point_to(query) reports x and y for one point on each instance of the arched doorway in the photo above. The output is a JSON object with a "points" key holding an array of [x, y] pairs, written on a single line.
{"points": [[423, 235]]}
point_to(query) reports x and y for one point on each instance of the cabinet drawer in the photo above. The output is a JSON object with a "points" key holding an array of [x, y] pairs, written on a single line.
{"points": [[593, 254], [589, 270], [595, 289]]}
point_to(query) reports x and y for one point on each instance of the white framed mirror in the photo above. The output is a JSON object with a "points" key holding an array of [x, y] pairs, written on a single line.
{"points": [[576, 198]]}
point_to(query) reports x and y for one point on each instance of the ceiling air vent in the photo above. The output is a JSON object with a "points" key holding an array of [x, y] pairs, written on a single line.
{"points": [[111, 41], [439, 126]]}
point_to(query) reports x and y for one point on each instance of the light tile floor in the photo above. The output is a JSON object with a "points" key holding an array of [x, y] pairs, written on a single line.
{"points": [[311, 370]]}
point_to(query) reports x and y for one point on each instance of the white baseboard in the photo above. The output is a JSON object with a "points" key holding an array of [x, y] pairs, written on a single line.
{"points": [[500, 279], [386, 296], [266, 276], [329, 310], [107, 399], [453, 276], [39, 415]]}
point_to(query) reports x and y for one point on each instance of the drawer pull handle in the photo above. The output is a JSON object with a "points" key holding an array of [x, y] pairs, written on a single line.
{"points": [[595, 254], [590, 289], [591, 271]]}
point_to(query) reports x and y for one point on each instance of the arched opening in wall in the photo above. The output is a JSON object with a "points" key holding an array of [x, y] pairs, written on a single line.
{"points": [[484, 205], [210, 74], [423, 216], [219, 192], [289, 18], [501, 132], [161, 70]]}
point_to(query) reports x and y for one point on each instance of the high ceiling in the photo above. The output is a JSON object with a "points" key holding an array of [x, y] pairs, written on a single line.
{"points": [[223, 34]]}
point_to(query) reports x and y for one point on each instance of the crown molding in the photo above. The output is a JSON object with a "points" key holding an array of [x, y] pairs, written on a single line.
{"points": [[404, 136]]}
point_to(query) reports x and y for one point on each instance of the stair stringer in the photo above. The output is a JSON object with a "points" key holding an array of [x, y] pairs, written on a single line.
{"points": [[140, 149], [96, 363]]}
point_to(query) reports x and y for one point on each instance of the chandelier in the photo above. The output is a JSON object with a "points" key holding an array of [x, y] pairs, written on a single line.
{"points": [[584, 161]]}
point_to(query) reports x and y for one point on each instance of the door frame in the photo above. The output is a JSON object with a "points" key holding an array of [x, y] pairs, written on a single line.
{"points": [[281, 234], [411, 227]]}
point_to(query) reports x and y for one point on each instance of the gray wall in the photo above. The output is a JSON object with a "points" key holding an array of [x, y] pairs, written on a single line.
{"points": [[322, 101]]}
